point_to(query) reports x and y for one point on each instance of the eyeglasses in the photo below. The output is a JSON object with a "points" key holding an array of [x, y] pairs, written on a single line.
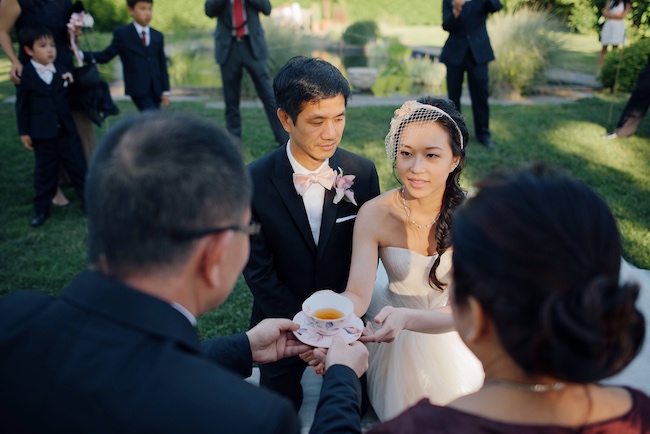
{"points": [[252, 229]]}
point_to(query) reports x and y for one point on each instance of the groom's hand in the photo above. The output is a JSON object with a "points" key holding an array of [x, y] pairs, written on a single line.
{"points": [[272, 339], [354, 355], [312, 360]]}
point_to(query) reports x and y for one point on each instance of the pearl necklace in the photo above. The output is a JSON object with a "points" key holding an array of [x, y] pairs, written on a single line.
{"points": [[408, 214], [537, 388]]}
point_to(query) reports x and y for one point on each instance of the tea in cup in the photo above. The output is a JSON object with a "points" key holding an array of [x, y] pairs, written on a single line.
{"points": [[327, 311]]}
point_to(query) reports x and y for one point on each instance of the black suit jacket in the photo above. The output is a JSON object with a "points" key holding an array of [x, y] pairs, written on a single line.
{"points": [[467, 32], [105, 358], [42, 108], [285, 265], [222, 9], [145, 68]]}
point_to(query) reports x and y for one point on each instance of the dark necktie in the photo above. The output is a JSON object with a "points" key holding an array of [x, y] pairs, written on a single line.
{"points": [[238, 12], [144, 38]]}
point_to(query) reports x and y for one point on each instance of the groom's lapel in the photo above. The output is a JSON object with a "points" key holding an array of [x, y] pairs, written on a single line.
{"points": [[329, 210], [283, 181]]}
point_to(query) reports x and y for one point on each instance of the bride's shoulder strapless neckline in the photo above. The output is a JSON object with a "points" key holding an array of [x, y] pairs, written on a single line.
{"points": [[410, 251]]}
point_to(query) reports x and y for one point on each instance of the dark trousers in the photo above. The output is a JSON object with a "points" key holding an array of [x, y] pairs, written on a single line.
{"points": [[147, 102], [241, 57], [636, 107], [477, 81], [284, 378], [65, 150]]}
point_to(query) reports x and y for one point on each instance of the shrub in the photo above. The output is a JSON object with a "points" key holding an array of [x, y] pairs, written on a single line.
{"points": [[632, 60], [583, 17], [108, 14], [361, 32], [283, 43], [524, 41], [168, 15], [428, 74], [193, 66]]}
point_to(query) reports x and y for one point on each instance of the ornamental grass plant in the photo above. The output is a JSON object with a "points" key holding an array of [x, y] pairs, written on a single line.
{"points": [[524, 41]]}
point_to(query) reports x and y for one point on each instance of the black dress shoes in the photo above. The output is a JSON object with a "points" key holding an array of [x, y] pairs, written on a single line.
{"points": [[487, 142], [38, 220]]}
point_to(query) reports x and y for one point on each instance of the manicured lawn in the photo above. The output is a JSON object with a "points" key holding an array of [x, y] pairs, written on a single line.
{"points": [[46, 259]]}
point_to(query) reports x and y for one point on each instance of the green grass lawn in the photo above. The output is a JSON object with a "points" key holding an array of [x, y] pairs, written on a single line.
{"points": [[46, 259]]}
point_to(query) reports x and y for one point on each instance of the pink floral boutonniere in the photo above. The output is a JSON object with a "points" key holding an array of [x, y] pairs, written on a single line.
{"points": [[342, 185]]}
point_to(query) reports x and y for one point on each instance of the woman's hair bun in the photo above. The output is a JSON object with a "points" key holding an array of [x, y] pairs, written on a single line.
{"points": [[589, 333]]}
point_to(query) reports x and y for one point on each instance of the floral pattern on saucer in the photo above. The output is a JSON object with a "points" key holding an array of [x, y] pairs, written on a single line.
{"points": [[308, 335]]}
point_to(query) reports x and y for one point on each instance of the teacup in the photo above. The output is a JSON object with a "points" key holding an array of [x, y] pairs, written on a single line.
{"points": [[327, 312]]}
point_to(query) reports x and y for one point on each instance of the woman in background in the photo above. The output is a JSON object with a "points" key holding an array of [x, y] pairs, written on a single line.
{"points": [[613, 31]]}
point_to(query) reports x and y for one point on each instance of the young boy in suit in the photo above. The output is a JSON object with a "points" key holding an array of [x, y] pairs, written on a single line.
{"points": [[45, 122], [142, 52]]}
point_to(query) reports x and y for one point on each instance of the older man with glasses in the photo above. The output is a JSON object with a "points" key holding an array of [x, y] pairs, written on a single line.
{"points": [[168, 235]]}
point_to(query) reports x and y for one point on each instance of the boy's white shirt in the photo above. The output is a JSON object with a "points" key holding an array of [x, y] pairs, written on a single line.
{"points": [[141, 29], [46, 76]]}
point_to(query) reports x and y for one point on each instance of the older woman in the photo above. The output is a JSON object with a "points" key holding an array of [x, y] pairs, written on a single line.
{"points": [[537, 299]]}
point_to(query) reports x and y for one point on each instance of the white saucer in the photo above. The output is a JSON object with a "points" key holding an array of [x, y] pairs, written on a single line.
{"points": [[308, 335]]}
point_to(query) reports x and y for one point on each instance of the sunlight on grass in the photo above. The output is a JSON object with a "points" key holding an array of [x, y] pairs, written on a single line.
{"points": [[627, 161], [585, 142]]}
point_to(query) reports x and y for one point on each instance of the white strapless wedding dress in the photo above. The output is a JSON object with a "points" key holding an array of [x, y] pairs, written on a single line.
{"points": [[416, 365]]}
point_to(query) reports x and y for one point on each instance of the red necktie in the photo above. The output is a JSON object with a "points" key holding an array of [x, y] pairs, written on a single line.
{"points": [[238, 12], [144, 38]]}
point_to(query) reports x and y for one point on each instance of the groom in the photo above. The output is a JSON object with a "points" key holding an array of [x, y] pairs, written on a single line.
{"points": [[306, 212]]}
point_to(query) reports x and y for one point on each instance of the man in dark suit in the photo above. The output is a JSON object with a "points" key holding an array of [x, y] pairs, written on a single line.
{"points": [[468, 50], [636, 107], [142, 52], [45, 122], [118, 352], [239, 44], [306, 238]]}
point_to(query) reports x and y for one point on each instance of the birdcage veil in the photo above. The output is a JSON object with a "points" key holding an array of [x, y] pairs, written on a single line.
{"points": [[413, 112]]}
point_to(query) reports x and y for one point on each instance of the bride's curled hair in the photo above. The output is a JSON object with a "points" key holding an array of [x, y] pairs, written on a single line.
{"points": [[541, 252]]}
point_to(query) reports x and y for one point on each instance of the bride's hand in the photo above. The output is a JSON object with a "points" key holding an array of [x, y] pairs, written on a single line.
{"points": [[392, 321], [316, 365]]}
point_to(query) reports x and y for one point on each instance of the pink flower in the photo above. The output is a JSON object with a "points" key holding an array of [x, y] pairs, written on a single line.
{"points": [[342, 185], [80, 19]]}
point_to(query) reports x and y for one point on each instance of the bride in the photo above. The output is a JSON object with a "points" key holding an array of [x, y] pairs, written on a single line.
{"points": [[408, 228]]}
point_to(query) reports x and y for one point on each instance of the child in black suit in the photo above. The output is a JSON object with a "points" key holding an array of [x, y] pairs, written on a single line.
{"points": [[142, 52], [45, 123]]}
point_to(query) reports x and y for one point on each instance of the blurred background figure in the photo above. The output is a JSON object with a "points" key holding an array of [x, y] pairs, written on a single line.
{"points": [[613, 31], [468, 50], [636, 107], [239, 44], [54, 15]]}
